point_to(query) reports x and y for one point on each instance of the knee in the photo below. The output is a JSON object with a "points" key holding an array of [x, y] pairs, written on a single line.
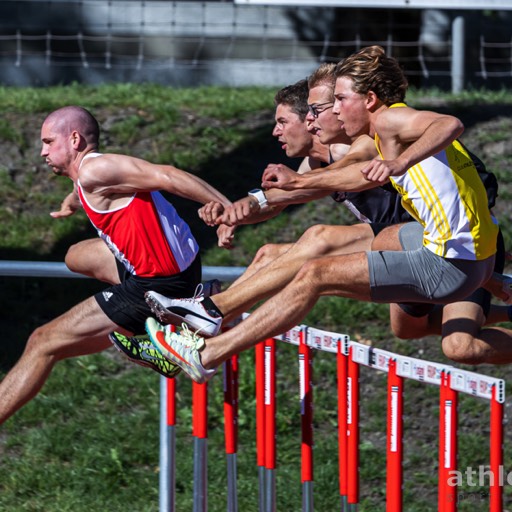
{"points": [[409, 331], [36, 342], [404, 325], [462, 348], [310, 274], [71, 258], [323, 240], [318, 239], [266, 255]]}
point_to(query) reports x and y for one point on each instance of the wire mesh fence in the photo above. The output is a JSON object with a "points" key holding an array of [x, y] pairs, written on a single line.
{"points": [[222, 43]]}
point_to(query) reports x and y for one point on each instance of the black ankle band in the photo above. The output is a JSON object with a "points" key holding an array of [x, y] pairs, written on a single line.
{"points": [[210, 306]]}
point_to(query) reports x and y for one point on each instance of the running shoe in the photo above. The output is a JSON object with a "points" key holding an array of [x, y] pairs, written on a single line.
{"points": [[180, 348], [189, 311], [140, 350]]}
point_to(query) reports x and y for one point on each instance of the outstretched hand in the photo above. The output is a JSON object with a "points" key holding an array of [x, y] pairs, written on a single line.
{"points": [[279, 176], [238, 212], [225, 235], [68, 207], [211, 213]]}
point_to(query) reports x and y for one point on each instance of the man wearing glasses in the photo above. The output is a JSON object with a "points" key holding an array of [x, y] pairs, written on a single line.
{"points": [[436, 179], [277, 264]]}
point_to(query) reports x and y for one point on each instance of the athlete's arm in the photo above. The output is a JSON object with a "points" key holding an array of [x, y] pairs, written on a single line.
{"points": [[70, 204], [247, 210], [408, 136], [343, 175], [345, 179], [308, 164], [110, 174]]}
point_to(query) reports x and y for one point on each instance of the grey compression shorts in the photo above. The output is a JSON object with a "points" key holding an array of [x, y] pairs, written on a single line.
{"points": [[412, 238], [418, 275]]}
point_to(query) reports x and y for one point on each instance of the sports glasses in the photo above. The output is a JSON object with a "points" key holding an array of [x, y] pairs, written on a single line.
{"points": [[313, 108]]}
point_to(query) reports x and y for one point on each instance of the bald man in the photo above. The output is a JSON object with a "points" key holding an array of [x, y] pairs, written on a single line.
{"points": [[144, 243]]}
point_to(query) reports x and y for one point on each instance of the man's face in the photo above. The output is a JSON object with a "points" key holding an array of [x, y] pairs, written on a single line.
{"points": [[55, 148], [292, 132], [350, 108], [325, 124]]}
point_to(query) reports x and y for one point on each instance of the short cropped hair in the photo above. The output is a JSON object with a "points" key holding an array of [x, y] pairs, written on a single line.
{"points": [[73, 117], [296, 97], [324, 75]]}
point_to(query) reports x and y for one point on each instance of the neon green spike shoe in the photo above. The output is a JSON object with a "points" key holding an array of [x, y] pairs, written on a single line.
{"points": [[141, 351], [181, 349]]}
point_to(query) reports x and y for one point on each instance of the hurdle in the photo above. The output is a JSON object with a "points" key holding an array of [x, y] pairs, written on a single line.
{"points": [[351, 356], [230, 387]]}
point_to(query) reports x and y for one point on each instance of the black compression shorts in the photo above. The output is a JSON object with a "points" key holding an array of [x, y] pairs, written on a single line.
{"points": [[124, 303]]}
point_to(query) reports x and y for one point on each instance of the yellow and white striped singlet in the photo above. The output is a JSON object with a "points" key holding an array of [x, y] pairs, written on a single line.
{"points": [[446, 195]]}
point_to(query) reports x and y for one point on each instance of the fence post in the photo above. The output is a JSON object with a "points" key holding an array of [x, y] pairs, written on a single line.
{"points": [[458, 54]]}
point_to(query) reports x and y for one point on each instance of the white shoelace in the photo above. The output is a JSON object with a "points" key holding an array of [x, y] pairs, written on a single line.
{"points": [[191, 338]]}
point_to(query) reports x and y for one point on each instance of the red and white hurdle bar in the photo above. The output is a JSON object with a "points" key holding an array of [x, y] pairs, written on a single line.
{"points": [[350, 356]]}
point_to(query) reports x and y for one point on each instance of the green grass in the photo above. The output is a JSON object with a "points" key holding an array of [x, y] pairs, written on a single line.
{"points": [[89, 440]]}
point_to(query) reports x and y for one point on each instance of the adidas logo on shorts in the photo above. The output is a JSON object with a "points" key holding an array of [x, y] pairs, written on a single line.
{"points": [[107, 295]]}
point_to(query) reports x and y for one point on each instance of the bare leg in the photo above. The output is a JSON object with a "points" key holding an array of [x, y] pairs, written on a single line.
{"points": [[497, 314], [317, 241], [343, 276], [464, 337], [387, 239], [408, 327], [93, 258], [465, 341], [80, 331], [265, 255]]}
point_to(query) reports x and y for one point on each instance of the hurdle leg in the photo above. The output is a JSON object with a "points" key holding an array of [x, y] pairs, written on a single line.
{"points": [[394, 450], [200, 433], [167, 476], [353, 433], [306, 411], [259, 354], [496, 462], [341, 366], [270, 425], [230, 375], [447, 497]]}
